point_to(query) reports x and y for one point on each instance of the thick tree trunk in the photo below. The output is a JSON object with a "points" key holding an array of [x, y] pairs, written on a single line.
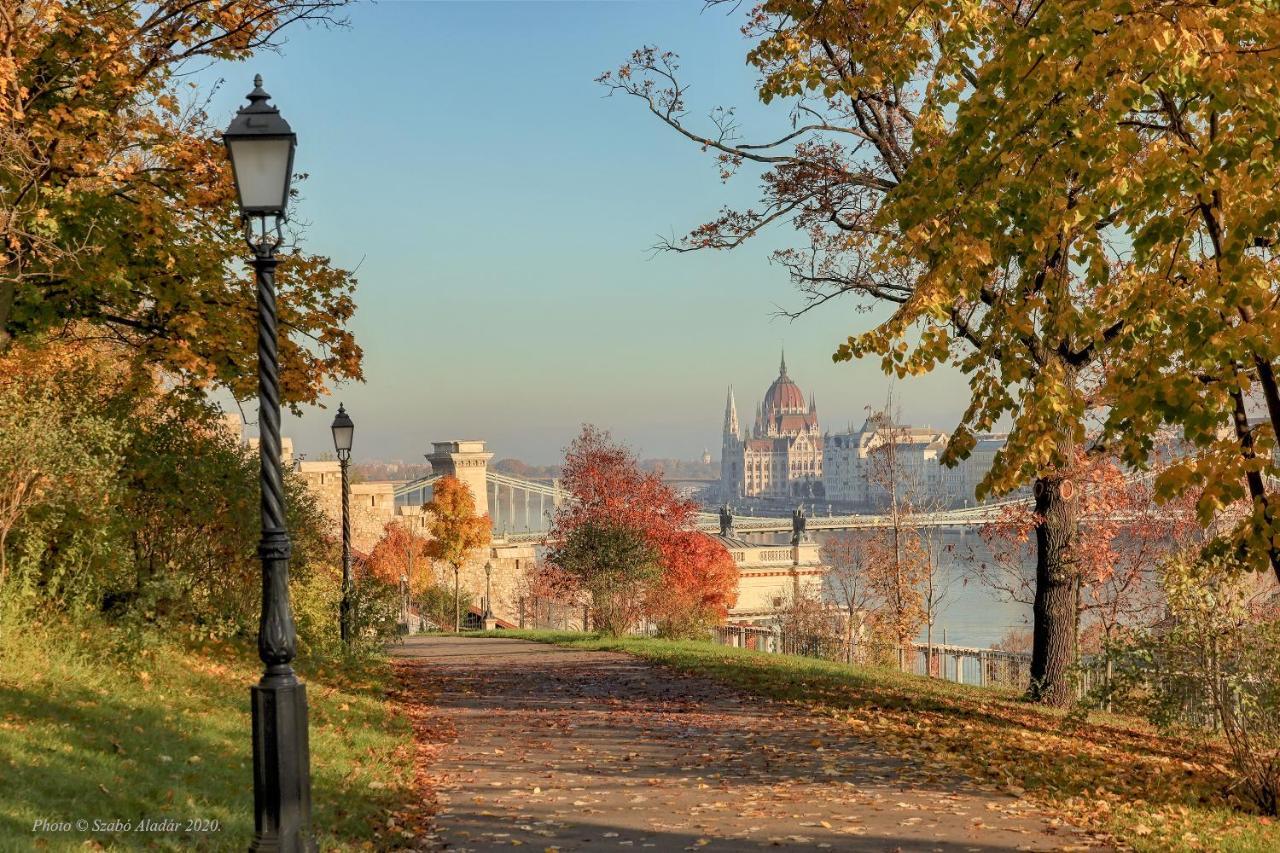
{"points": [[1258, 486], [1057, 600]]}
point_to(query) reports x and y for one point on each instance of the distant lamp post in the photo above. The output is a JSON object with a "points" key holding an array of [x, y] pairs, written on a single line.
{"points": [[489, 623], [260, 144], [344, 431], [404, 601], [408, 585]]}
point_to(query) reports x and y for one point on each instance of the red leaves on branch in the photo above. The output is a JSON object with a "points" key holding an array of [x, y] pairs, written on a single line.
{"points": [[608, 487], [700, 580]]}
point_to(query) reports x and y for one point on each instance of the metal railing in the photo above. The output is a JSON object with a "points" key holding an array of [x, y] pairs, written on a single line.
{"points": [[960, 664]]}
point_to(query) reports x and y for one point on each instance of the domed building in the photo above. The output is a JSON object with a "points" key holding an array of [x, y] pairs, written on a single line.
{"points": [[782, 455]]}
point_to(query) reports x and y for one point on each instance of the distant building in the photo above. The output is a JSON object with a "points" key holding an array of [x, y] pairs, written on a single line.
{"points": [[852, 474], [771, 575], [851, 464], [781, 457]]}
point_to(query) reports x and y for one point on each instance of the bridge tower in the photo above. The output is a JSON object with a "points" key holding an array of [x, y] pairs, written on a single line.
{"points": [[466, 460]]}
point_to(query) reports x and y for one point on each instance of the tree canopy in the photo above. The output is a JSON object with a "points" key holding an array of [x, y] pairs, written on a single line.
{"points": [[117, 198]]}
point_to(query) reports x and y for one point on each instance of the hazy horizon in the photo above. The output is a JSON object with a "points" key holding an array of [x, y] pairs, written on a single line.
{"points": [[500, 215]]}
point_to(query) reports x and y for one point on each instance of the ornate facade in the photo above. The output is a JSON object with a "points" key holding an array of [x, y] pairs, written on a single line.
{"points": [[781, 457]]}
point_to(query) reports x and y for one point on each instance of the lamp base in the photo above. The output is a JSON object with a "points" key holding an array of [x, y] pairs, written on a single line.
{"points": [[281, 765]]}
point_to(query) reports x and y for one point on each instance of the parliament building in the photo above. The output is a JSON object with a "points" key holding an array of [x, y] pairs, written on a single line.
{"points": [[781, 456]]}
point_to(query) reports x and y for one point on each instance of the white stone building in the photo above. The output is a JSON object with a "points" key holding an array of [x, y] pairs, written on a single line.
{"points": [[852, 473], [781, 457], [772, 574]]}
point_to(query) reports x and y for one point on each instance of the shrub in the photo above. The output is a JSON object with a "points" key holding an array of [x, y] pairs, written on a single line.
{"points": [[1213, 665], [123, 498]]}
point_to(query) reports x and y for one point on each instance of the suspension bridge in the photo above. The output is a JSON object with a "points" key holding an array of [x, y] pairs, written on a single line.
{"points": [[521, 510]]}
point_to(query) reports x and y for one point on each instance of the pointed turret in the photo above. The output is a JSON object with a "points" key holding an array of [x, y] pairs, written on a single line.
{"points": [[782, 368], [730, 416]]}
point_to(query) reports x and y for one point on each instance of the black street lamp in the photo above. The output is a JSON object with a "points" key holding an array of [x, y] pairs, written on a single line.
{"points": [[488, 594], [343, 434], [260, 145]]}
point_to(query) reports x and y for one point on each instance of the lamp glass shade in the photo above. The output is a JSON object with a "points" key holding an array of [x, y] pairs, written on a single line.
{"points": [[262, 166], [344, 430]]}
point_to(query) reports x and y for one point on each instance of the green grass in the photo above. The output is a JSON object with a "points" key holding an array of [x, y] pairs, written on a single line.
{"points": [[1111, 773], [85, 735]]}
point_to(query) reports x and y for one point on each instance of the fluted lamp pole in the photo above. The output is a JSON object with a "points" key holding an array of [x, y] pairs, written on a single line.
{"points": [[260, 144], [344, 431], [487, 621]]}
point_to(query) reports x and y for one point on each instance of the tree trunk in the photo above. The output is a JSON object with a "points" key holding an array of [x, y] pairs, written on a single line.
{"points": [[1057, 599]]}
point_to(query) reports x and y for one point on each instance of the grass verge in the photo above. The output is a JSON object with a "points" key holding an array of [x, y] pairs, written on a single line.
{"points": [[1149, 791], [85, 735]]}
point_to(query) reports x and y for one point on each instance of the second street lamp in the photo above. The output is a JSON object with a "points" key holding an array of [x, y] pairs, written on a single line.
{"points": [[260, 144], [344, 431], [487, 616]]}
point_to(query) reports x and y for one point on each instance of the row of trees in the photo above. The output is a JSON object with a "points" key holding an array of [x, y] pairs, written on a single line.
{"points": [[1072, 203], [454, 533], [627, 547], [125, 499], [123, 301]]}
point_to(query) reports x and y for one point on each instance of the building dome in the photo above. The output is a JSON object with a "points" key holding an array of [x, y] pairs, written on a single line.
{"points": [[784, 396]]}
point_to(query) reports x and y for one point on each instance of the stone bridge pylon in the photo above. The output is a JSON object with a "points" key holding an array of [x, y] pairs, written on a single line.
{"points": [[466, 460]]}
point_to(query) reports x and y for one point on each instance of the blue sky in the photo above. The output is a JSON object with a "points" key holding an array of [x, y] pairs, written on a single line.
{"points": [[499, 210]]}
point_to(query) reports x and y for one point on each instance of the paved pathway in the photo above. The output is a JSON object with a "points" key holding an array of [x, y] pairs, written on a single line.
{"points": [[550, 749]]}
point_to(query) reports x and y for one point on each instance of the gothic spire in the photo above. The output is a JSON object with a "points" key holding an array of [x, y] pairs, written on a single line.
{"points": [[730, 415], [782, 370]]}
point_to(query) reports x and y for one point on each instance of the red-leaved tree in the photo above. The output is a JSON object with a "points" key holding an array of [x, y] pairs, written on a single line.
{"points": [[610, 492], [699, 585]]}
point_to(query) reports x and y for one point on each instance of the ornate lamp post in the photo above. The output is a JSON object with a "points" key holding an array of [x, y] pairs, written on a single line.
{"points": [[343, 434], [260, 145], [487, 618], [404, 602]]}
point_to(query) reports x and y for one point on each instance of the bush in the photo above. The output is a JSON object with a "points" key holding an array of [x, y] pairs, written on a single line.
{"points": [[122, 498], [437, 603], [1212, 666]]}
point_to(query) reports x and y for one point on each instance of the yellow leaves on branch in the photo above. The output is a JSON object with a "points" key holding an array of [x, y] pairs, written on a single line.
{"points": [[118, 201]]}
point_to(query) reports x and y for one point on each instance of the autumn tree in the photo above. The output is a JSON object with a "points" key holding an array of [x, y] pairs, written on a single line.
{"points": [[138, 507], [117, 198], [456, 531], [610, 494], [877, 93], [902, 561], [699, 585], [401, 556], [1168, 130], [851, 562], [616, 565]]}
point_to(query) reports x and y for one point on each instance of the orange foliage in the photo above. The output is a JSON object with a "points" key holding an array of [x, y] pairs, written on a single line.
{"points": [[401, 553], [455, 528], [699, 580], [117, 199]]}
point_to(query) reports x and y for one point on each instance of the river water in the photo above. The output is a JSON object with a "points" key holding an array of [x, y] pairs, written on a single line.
{"points": [[970, 611]]}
